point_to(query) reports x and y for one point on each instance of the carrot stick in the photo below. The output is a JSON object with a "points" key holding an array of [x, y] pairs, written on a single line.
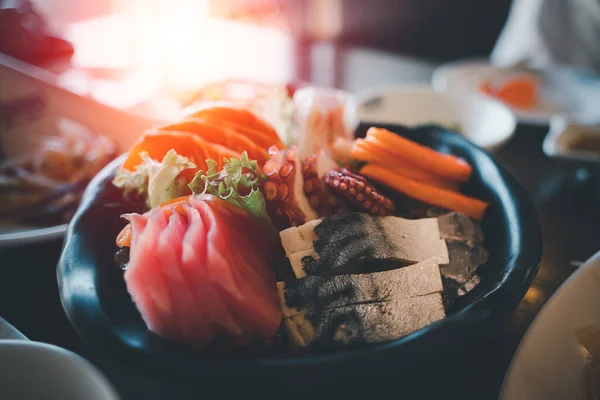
{"points": [[364, 151], [423, 192], [423, 157], [341, 149]]}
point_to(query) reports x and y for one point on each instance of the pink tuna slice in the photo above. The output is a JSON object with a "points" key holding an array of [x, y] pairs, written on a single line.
{"points": [[202, 272], [193, 266], [144, 279], [254, 300], [193, 324]]}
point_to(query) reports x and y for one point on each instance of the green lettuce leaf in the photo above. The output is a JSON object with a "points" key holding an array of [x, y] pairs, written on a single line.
{"points": [[159, 181], [238, 184]]}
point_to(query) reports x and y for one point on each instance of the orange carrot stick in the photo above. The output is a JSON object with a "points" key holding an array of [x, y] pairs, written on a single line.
{"points": [[341, 149], [423, 192], [365, 151], [421, 156]]}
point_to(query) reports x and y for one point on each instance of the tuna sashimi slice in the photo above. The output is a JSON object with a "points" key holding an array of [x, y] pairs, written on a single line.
{"points": [[193, 324], [144, 279], [193, 267], [202, 269], [254, 300]]}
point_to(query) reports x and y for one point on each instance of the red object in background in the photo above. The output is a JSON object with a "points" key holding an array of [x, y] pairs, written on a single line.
{"points": [[25, 35], [519, 92]]}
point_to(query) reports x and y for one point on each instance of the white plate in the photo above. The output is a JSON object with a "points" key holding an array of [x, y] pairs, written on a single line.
{"points": [[15, 235], [485, 121], [564, 90], [549, 363]]}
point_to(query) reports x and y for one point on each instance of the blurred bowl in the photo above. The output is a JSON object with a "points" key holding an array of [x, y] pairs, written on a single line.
{"points": [[33, 370], [484, 121], [570, 140]]}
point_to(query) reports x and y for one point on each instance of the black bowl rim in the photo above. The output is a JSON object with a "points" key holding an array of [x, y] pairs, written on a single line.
{"points": [[523, 226]]}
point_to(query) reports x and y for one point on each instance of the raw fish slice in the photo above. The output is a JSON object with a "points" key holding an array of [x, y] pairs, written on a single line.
{"points": [[255, 300], [224, 274], [245, 232], [201, 270], [166, 257], [218, 270], [238, 279], [144, 301], [194, 327], [143, 277], [245, 121], [219, 134], [193, 266], [198, 150]]}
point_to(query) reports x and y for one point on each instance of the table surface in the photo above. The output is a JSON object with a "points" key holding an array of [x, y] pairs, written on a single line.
{"points": [[566, 198]]}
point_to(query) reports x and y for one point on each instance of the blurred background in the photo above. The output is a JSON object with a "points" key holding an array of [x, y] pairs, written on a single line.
{"points": [[145, 53]]}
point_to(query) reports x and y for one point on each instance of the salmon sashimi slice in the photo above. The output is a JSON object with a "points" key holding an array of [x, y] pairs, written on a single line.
{"points": [[243, 121], [222, 135], [240, 115], [194, 147]]}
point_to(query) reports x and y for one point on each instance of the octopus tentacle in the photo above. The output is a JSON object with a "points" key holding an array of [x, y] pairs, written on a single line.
{"points": [[318, 194], [358, 192], [286, 203]]}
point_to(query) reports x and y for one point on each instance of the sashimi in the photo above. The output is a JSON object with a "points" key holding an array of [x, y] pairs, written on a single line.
{"points": [[238, 115], [200, 266], [246, 286], [198, 150], [144, 280], [222, 135], [244, 122], [193, 261], [195, 326]]}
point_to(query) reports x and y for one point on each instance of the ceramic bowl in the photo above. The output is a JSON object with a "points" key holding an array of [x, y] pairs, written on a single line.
{"points": [[484, 121], [33, 370], [552, 361], [96, 301]]}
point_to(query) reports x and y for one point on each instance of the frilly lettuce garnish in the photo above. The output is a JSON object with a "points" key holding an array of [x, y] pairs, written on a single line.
{"points": [[158, 180], [238, 184]]}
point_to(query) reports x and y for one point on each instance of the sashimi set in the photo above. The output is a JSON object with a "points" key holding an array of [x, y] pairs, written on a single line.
{"points": [[303, 239]]}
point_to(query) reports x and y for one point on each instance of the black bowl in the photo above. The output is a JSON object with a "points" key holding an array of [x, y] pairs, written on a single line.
{"points": [[97, 303]]}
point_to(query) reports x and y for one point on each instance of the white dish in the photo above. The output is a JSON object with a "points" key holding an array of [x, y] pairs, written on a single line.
{"points": [[41, 102], [563, 90], [550, 363], [33, 370], [485, 121], [16, 235], [562, 133]]}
